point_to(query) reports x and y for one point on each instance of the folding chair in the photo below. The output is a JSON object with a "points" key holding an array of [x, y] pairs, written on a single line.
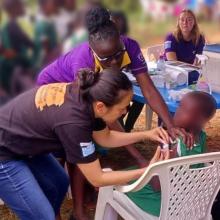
{"points": [[186, 193], [153, 52]]}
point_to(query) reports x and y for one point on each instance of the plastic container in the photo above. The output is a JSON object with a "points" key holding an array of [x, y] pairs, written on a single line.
{"points": [[203, 83], [161, 63]]}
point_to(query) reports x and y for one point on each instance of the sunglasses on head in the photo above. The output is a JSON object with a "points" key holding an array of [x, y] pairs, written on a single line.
{"points": [[116, 56]]}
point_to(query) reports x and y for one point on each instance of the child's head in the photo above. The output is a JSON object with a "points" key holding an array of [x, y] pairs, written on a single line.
{"points": [[49, 7], [196, 108], [14, 8]]}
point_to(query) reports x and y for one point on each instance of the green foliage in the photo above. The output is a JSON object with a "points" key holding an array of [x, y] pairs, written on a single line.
{"points": [[127, 6]]}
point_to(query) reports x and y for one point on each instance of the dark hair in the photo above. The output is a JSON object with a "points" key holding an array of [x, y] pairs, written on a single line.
{"points": [[120, 18], [99, 24], [104, 86], [206, 103]]}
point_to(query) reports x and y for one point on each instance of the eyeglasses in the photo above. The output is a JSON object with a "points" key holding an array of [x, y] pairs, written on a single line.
{"points": [[115, 56]]}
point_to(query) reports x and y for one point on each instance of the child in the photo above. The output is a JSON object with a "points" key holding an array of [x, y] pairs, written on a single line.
{"points": [[14, 39], [195, 110], [45, 33]]}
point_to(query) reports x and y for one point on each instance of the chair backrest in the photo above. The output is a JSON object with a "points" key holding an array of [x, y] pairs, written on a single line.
{"points": [[153, 52], [186, 192]]}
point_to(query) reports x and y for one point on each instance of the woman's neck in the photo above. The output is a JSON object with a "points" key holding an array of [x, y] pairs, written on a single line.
{"points": [[186, 36]]}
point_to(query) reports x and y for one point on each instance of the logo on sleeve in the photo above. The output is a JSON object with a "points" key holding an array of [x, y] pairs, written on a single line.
{"points": [[51, 94], [141, 57], [167, 45], [88, 148]]}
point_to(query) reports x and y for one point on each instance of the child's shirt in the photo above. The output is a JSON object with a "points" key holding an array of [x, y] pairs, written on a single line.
{"points": [[149, 200]]}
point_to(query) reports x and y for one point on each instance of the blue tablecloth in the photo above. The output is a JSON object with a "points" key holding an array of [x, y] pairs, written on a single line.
{"points": [[172, 105], [212, 48]]}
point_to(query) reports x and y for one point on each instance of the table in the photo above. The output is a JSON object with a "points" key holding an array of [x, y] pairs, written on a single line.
{"points": [[171, 104]]}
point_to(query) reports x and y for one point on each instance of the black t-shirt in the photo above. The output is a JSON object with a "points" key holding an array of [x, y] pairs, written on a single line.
{"points": [[47, 119]]}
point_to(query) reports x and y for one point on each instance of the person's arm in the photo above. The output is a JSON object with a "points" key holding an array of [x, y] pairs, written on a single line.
{"points": [[157, 103], [170, 47], [141, 161], [171, 56], [154, 98], [199, 50], [112, 139], [94, 174]]}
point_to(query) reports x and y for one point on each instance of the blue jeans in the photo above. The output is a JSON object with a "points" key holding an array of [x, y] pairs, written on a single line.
{"points": [[33, 188]]}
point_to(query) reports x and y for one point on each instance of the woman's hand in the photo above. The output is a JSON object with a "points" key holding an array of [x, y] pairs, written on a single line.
{"points": [[160, 155], [188, 138], [158, 134]]}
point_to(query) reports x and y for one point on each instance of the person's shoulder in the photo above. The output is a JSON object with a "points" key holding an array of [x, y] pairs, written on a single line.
{"points": [[129, 41], [170, 42], [170, 37], [81, 48], [131, 45]]}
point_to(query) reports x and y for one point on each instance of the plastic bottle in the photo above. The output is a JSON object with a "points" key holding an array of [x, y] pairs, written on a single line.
{"points": [[203, 83], [161, 63]]}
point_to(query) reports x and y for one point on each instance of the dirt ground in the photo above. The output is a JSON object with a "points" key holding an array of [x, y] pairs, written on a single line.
{"points": [[119, 159]]}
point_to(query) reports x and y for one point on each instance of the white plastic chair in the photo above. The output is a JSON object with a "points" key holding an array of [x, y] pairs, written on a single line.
{"points": [[153, 52], [186, 193]]}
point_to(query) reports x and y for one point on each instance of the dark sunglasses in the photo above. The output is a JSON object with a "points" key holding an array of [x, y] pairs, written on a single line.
{"points": [[116, 56]]}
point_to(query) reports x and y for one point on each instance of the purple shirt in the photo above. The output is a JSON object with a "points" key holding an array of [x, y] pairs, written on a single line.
{"points": [[185, 50], [65, 68]]}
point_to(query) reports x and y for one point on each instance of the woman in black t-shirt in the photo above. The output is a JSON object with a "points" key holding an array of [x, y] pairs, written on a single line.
{"points": [[68, 116]]}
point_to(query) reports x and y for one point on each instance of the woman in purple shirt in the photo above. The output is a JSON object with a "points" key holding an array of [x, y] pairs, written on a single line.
{"points": [[186, 41]]}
